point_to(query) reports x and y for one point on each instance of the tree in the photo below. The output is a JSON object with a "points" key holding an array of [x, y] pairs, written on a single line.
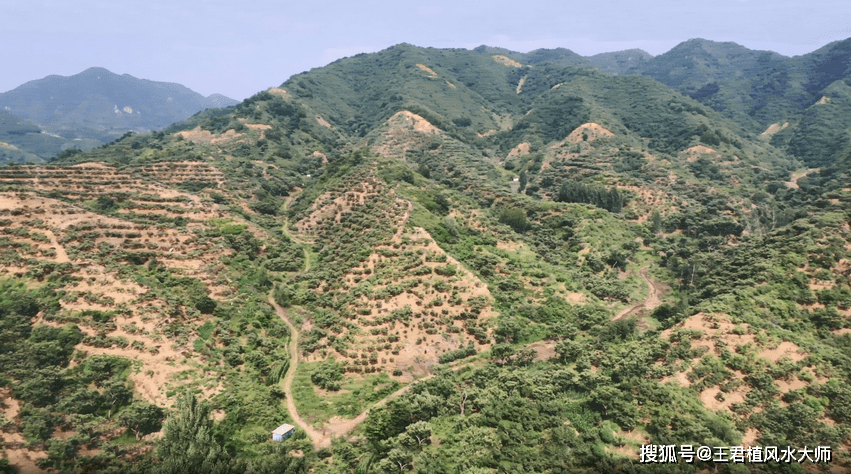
{"points": [[397, 460], [116, 394], [477, 446], [604, 397], [82, 401], [377, 424], [840, 405], [328, 375], [668, 315], [525, 357], [104, 204], [98, 368], [502, 353], [38, 424], [41, 386], [462, 403], [568, 351], [188, 444], [141, 418], [419, 433], [510, 330], [611, 199], [5, 468], [655, 222], [515, 218]]}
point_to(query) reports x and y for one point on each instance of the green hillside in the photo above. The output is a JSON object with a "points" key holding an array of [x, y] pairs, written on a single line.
{"points": [[24, 142], [439, 260], [693, 66]]}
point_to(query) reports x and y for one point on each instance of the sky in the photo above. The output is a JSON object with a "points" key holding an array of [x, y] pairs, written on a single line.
{"points": [[238, 48]]}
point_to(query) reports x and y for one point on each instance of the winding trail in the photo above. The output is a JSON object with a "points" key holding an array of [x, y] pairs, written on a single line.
{"points": [[285, 228], [340, 427], [650, 303], [335, 427], [315, 435]]}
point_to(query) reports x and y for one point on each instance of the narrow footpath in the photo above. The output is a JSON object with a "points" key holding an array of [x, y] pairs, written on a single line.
{"points": [[336, 427], [314, 435], [650, 303]]}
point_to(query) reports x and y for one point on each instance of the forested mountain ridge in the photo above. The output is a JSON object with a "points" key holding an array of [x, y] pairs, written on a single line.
{"points": [[97, 106], [621, 62], [766, 92], [692, 65], [432, 261]]}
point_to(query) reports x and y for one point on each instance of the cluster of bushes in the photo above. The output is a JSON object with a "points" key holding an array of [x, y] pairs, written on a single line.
{"points": [[461, 353], [328, 374], [611, 199]]}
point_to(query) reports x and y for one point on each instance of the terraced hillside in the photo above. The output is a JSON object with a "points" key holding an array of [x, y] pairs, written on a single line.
{"points": [[429, 261], [406, 300], [135, 267], [64, 226]]}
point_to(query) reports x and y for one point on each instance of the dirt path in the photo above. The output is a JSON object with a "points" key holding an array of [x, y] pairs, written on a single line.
{"points": [[340, 427], [335, 427], [650, 303], [318, 438], [286, 230], [14, 444], [314, 434], [397, 237], [794, 177], [61, 255]]}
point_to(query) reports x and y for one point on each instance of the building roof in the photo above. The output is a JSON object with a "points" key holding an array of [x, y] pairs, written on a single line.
{"points": [[283, 429]]}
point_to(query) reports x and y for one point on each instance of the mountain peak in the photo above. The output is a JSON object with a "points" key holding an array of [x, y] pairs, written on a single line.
{"points": [[692, 64], [620, 62], [95, 70], [93, 105]]}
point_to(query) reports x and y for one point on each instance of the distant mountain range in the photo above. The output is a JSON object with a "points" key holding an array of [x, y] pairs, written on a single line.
{"points": [[91, 108], [757, 89]]}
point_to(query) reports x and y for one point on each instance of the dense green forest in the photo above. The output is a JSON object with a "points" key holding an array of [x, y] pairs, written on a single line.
{"points": [[445, 261]]}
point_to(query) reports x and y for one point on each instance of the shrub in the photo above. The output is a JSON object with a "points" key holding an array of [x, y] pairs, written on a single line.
{"points": [[514, 218], [328, 375], [456, 354], [448, 270]]}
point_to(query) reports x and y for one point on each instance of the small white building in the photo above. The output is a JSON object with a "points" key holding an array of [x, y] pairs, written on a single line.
{"points": [[283, 432]]}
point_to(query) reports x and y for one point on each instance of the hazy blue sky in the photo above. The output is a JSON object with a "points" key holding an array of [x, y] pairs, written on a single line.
{"points": [[238, 48]]}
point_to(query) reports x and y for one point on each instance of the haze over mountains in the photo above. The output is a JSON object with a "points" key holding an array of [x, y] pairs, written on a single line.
{"points": [[444, 260], [94, 107], [755, 88]]}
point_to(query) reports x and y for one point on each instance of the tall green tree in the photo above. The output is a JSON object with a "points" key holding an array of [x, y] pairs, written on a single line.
{"points": [[656, 222], [188, 444]]}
